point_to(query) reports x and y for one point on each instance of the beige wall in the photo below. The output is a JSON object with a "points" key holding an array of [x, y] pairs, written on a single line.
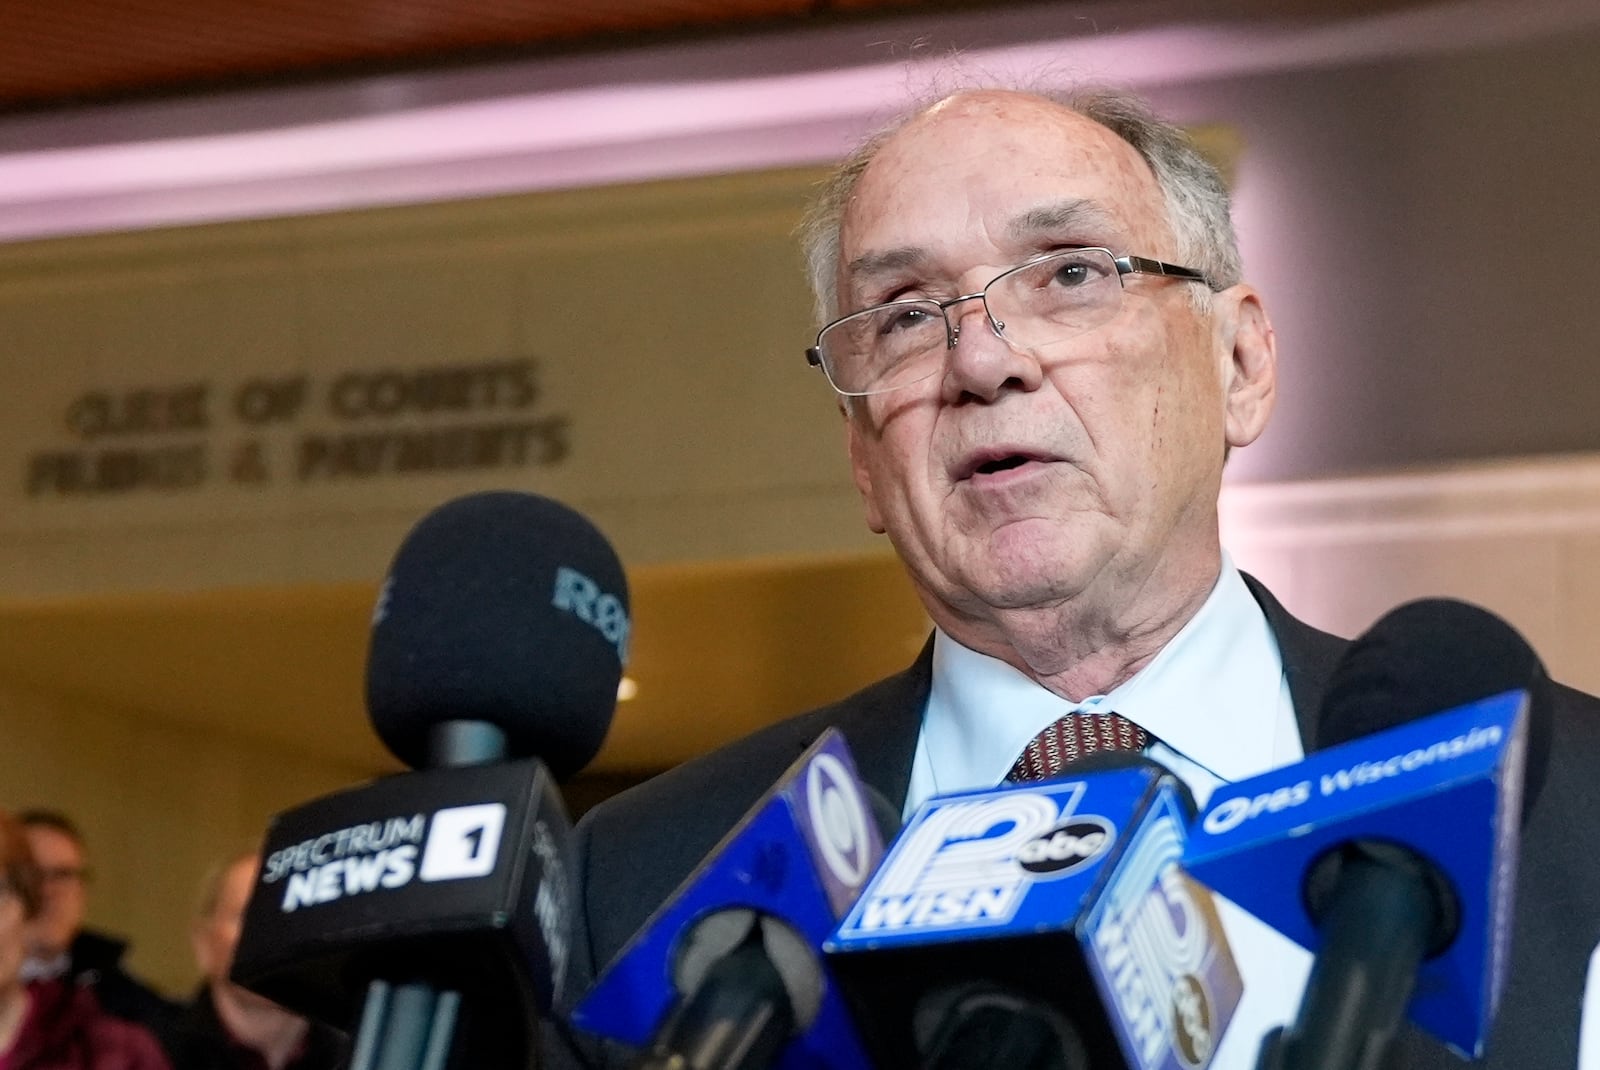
{"points": [[1520, 537], [666, 322], [158, 801]]}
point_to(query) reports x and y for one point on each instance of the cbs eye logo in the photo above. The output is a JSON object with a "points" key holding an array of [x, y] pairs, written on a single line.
{"points": [[839, 817]]}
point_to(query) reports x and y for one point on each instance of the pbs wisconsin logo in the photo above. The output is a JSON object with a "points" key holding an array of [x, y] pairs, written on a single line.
{"points": [[1068, 847], [839, 817]]}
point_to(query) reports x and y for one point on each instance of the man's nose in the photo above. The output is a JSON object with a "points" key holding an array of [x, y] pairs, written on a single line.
{"points": [[983, 363]]}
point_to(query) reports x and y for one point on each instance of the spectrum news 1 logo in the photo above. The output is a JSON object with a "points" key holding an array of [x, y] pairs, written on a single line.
{"points": [[456, 843]]}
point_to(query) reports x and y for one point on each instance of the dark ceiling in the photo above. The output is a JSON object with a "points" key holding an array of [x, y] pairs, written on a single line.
{"points": [[65, 52]]}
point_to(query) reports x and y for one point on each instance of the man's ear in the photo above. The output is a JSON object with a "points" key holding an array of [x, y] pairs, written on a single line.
{"points": [[855, 444], [1247, 345]]}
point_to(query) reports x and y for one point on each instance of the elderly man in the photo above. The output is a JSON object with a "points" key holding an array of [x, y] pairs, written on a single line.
{"points": [[226, 1027], [1044, 352]]}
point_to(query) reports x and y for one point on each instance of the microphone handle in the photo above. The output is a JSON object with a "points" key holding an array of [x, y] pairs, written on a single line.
{"points": [[411, 1026], [739, 1018], [405, 1027], [985, 1027], [1379, 921]]}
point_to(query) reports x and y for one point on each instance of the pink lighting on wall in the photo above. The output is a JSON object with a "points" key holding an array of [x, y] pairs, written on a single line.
{"points": [[654, 113]]}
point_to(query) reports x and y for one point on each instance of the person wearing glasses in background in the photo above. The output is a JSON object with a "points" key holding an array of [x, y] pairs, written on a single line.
{"points": [[1044, 350], [52, 1025], [62, 949]]}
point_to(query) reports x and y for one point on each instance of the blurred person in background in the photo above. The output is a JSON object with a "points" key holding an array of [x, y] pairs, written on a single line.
{"points": [[53, 1024], [61, 948], [226, 1027]]}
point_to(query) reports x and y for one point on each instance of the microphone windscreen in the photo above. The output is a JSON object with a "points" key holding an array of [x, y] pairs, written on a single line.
{"points": [[505, 608], [1432, 655]]}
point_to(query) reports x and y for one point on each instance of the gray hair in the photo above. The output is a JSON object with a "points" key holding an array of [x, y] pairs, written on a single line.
{"points": [[1195, 193]]}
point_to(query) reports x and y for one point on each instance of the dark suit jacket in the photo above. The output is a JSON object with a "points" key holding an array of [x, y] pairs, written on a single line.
{"points": [[95, 963], [636, 848]]}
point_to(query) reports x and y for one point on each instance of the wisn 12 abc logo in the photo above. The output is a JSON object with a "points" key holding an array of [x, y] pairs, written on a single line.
{"points": [[970, 860]]}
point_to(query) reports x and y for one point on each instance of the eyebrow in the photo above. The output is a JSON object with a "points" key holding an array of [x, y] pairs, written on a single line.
{"points": [[887, 262], [1076, 215]]}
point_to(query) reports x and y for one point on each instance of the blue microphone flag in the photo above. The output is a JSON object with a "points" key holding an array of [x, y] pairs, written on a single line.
{"points": [[1058, 888], [1448, 787], [800, 855]]}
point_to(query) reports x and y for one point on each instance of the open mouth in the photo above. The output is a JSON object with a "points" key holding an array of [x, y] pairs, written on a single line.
{"points": [[1001, 464], [996, 461]]}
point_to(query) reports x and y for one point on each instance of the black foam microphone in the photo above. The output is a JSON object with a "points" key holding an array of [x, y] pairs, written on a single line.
{"points": [[502, 609], [1437, 654], [437, 903]]}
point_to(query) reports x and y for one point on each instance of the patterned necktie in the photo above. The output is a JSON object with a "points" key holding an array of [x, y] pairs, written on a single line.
{"points": [[1073, 737]]}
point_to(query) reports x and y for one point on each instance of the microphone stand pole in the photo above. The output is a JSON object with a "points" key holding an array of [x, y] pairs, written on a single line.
{"points": [[411, 1026]]}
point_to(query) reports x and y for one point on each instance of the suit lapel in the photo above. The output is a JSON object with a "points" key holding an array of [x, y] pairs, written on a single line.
{"points": [[883, 724], [1309, 656]]}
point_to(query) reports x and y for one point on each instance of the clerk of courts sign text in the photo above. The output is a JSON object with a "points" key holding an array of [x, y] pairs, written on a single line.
{"points": [[298, 429]]}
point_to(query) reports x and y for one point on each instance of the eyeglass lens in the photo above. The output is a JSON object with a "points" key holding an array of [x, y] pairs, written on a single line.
{"points": [[1039, 303]]}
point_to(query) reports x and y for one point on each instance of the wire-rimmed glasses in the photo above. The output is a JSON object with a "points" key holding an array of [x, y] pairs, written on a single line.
{"points": [[1045, 300]]}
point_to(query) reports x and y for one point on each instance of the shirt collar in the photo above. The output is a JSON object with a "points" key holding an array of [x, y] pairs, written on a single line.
{"points": [[1212, 694], [35, 969]]}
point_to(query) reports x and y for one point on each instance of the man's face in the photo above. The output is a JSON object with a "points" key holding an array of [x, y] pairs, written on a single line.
{"points": [[65, 899], [217, 935], [1017, 479]]}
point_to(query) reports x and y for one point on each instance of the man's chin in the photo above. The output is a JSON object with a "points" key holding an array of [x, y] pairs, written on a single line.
{"points": [[1030, 577]]}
